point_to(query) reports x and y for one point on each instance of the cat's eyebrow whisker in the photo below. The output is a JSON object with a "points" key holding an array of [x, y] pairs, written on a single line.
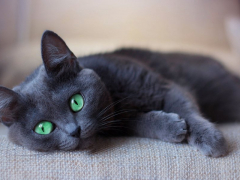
{"points": [[117, 113]]}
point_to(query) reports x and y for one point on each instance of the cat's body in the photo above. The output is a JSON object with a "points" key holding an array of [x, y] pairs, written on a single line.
{"points": [[125, 92], [211, 85]]}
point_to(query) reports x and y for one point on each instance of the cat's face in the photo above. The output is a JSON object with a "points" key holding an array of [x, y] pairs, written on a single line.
{"points": [[57, 107]]}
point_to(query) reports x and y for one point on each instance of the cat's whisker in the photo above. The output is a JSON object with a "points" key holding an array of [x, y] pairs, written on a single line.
{"points": [[122, 110], [117, 120], [103, 131], [115, 127], [110, 106], [117, 102], [65, 145], [111, 124], [117, 113]]}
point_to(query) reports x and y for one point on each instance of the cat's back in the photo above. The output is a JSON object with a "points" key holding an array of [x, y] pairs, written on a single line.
{"points": [[185, 69], [214, 87], [192, 71]]}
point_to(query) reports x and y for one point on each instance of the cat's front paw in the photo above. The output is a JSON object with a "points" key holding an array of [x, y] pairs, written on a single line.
{"points": [[209, 140], [175, 127]]}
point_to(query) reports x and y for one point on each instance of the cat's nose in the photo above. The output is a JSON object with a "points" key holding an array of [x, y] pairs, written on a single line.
{"points": [[76, 132]]}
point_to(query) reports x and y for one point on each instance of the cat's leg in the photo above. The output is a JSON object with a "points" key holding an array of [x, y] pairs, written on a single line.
{"points": [[221, 100], [202, 134], [168, 127]]}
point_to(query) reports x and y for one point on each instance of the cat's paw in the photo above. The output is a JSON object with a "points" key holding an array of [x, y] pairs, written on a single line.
{"points": [[209, 140], [175, 128]]}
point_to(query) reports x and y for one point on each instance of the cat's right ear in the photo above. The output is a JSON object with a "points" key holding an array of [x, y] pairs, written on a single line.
{"points": [[8, 105], [58, 59]]}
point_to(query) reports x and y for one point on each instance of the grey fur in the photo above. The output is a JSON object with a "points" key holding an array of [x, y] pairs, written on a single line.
{"points": [[126, 92], [167, 127]]}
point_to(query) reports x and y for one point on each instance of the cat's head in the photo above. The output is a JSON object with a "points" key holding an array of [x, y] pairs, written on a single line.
{"points": [[58, 106]]}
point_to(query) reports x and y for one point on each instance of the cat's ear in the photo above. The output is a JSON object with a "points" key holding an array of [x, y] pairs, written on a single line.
{"points": [[8, 105], [57, 57]]}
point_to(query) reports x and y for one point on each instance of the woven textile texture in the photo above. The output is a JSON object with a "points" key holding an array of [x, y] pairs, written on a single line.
{"points": [[122, 158]]}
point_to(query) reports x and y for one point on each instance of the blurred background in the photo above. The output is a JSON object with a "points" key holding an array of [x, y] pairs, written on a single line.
{"points": [[88, 26], [209, 27]]}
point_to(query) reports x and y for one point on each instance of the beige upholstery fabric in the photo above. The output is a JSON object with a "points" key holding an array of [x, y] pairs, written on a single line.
{"points": [[122, 158]]}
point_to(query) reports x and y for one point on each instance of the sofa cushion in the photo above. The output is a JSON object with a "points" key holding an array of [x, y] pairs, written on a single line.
{"points": [[123, 158]]}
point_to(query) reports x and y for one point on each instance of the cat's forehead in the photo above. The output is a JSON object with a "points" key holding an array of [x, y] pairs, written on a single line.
{"points": [[34, 81], [45, 93], [42, 87]]}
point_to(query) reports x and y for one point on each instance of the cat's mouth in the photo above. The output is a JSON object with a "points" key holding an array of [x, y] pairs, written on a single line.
{"points": [[88, 132], [87, 143], [78, 144]]}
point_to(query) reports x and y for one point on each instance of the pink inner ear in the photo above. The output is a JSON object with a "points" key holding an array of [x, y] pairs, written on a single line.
{"points": [[5, 119], [8, 105], [6, 113], [7, 116]]}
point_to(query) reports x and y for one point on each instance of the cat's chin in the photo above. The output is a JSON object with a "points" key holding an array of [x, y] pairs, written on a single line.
{"points": [[73, 145], [87, 143], [79, 144]]}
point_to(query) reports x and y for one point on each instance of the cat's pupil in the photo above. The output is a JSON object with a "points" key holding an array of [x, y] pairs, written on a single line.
{"points": [[43, 129], [75, 102]]}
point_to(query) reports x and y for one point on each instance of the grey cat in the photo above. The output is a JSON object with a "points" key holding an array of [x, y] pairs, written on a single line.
{"points": [[67, 102]]}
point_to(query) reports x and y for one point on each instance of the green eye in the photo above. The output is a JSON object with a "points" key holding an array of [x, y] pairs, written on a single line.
{"points": [[76, 102], [44, 127]]}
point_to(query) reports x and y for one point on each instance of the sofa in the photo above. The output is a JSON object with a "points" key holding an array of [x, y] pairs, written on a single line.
{"points": [[114, 158]]}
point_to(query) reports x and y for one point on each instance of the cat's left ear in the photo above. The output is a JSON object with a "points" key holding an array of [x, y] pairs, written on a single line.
{"points": [[57, 57], [9, 105]]}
